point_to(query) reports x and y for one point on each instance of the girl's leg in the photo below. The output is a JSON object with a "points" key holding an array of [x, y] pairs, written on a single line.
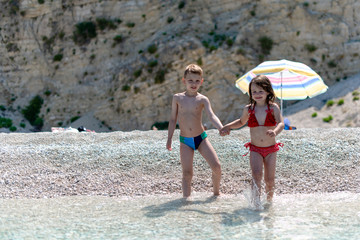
{"points": [[187, 158], [269, 176], [208, 152], [256, 164]]}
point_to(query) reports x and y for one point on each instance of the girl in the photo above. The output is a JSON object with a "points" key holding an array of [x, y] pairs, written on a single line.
{"points": [[265, 121]]}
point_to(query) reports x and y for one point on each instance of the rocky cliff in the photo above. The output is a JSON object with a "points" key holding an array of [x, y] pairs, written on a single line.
{"points": [[121, 61]]}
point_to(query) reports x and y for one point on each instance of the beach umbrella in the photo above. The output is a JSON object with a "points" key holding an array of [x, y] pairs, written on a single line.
{"points": [[290, 80]]}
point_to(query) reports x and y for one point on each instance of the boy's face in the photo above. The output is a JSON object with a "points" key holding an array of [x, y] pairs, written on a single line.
{"points": [[192, 82]]}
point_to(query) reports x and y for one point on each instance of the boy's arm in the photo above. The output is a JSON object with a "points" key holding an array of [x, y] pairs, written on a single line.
{"points": [[211, 115], [172, 122]]}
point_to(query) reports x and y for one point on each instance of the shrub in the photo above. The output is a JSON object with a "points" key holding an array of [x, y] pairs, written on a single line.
{"points": [[328, 119], [5, 122], [103, 23], [313, 61], [61, 35], [240, 51], [340, 102], [126, 88], [332, 64], [310, 47], [212, 48], [170, 19], [39, 122], [23, 125], [12, 47], [266, 44], [137, 73], [152, 63], [356, 98], [31, 112], [329, 103], [118, 38], [219, 38], [14, 6], [199, 61], [181, 5], [58, 57], [85, 31], [136, 90], [47, 93], [12, 129], [2, 108], [73, 119], [229, 42], [355, 93], [205, 44], [152, 48], [314, 115], [130, 24], [41, 1], [160, 76]]}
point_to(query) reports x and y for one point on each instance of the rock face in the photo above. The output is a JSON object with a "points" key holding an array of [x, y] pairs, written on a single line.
{"points": [[126, 70]]}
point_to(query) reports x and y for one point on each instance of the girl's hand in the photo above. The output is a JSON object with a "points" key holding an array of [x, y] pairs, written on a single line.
{"points": [[224, 131], [271, 133]]}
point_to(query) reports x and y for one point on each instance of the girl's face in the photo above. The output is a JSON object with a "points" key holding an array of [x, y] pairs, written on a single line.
{"points": [[258, 94]]}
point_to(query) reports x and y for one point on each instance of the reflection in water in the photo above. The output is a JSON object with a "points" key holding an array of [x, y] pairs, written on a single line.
{"points": [[311, 216]]}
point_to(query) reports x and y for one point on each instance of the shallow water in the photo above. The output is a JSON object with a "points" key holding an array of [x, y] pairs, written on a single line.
{"points": [[303, 216]]}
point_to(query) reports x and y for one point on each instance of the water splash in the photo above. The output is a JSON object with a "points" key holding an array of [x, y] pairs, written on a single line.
{"points": [[253, 197]]}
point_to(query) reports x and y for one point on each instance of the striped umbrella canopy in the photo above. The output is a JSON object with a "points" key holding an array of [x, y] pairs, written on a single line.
{"points": [[290, 80]]}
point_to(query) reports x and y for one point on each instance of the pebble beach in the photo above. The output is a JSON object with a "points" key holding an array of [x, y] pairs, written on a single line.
{"points": [[137, 163]]}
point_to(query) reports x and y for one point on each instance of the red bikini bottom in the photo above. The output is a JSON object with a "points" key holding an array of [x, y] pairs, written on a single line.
{"points": [[264, 151]]}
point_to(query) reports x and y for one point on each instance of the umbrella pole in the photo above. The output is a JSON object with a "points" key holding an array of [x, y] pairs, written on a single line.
{"points": [[281, 101]]}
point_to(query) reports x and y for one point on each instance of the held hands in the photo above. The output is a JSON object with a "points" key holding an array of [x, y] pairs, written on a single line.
{"points": [[224, 131]]}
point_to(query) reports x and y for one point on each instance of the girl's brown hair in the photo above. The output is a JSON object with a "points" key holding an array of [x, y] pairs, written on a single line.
{"points": [[263, 82]]}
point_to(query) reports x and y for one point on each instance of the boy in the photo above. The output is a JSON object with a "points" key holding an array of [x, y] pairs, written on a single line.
{"points": [[187, 108]]}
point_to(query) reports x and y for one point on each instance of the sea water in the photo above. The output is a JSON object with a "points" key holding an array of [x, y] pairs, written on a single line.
{"points": [[299, 216]]}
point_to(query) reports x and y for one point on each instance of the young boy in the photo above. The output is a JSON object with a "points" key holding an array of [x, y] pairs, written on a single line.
{"points": [[187, 108]]}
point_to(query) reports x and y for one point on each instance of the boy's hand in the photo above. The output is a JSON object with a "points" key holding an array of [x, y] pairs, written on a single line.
{"points": [[224, 131], [168, 145]]}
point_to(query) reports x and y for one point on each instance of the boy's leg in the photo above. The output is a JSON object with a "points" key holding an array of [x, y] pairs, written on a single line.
{"points": [[187, 158], [269, 176], [256, 164], [208, 152]]}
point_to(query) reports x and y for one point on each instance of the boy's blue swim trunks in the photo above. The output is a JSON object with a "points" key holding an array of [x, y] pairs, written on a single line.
{"points": [[193, 142]]}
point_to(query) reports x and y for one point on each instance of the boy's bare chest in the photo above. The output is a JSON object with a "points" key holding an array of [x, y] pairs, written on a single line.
{"points": [[190, 105]]}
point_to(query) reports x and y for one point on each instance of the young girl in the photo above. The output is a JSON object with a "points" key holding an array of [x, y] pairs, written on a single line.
{"points": [[265, 121]]}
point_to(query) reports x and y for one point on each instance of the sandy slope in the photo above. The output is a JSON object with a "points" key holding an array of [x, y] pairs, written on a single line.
{"points": [[346, 115]]}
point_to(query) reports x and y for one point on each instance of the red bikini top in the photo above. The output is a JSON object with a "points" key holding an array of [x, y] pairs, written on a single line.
{"points": [[269, 120]]}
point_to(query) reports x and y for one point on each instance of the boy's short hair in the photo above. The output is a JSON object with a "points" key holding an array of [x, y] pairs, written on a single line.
{"points": [[193, 68]]}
